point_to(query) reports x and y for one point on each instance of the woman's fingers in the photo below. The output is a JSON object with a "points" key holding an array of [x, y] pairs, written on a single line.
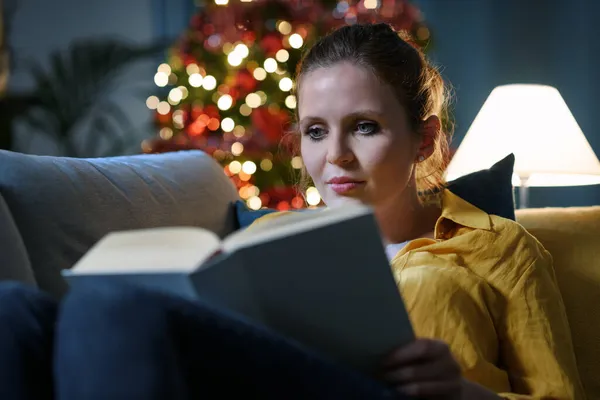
{"points": [[445, 389], [424, 369], [417, 351], [439, 369]]}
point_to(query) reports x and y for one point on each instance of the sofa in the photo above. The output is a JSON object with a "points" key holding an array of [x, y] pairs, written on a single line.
{"points": [[52, 210]]}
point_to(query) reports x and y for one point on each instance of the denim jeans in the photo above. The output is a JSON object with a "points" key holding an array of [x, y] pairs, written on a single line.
{"points": [[114, 341]]}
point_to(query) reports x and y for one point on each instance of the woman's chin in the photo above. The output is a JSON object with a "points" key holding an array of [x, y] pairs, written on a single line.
{"points": [[338, 201]]}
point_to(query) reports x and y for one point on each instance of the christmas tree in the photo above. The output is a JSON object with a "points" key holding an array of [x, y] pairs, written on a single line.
{"points": [[228, 88]]}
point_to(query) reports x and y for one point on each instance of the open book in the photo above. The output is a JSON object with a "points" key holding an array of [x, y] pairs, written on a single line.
{"points": [[321, 278]]}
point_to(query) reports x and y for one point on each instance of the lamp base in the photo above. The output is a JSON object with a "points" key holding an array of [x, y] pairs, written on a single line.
{"points": [[523, 194]]}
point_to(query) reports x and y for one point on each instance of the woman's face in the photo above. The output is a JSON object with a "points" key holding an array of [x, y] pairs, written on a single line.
{"points": [[356, 142]]}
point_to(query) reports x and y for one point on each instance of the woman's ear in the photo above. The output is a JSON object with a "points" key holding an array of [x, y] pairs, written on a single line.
{"points": [[429, 132]]}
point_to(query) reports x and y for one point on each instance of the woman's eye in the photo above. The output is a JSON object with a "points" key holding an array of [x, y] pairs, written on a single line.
{"points": [[315, 133], [367, 128]]}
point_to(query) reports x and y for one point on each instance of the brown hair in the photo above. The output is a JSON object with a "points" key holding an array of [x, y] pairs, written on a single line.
{"points": [[391, 57]]}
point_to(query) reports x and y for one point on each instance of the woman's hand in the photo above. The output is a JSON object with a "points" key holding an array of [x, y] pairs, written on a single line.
{"points": [[424, 368]]}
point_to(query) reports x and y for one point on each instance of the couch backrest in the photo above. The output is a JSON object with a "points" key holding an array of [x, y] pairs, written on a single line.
{"points": [[62, 206], [572, 236]]}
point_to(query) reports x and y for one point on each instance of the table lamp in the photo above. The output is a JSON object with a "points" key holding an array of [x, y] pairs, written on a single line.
{"points": [[534, 123]]}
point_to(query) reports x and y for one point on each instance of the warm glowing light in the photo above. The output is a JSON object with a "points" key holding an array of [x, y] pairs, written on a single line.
{"points": [[225, 102], [254, 190], [423, 33], [282, 55], [227, 124], [371, 4], [213, 124], [235, 167], [271, 64], [263, 96], [195, 80], [234, 59], [161, 79], [163, 108], [166, 133], [221, 2], [253, 100], [209, 82], [284, 27], [184, 91], [146, 146], [297, 202], [237, 54], [242, 50], [244, 176], [283, 206], [178, 119], [535, 124], [286, 84], [249, 167], [237, 148], [266, 165], [152, 102], [192, 69], [164, 68], [254, 203], [245, 109], [313, 197], [290, 101], [297, 162], [260, 74], [175, 95], [296, 41], [239, 131]]}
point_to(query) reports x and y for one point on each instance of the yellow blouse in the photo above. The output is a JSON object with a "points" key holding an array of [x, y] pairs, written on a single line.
{"points": [[487, 288]]}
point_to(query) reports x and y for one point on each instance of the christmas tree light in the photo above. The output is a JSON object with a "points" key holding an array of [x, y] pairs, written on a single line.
{"points": [[228, 86]]}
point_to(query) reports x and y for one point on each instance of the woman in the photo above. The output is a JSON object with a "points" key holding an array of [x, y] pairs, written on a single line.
{"points": [[479, 290], [368, 107]]}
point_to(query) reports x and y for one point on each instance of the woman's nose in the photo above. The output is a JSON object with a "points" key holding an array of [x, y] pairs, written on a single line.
{"points": [[338, 152]]}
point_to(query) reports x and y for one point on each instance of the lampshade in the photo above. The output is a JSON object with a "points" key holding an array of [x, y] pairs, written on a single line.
{"points": [[534, 123]]}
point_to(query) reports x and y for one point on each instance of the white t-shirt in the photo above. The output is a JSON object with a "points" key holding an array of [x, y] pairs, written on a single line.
{"points": [[392, 249]]}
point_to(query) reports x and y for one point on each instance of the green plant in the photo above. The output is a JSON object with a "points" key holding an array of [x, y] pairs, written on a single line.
{"points": [[71, 100]]}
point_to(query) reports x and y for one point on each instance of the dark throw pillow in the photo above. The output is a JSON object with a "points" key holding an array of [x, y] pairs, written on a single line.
{"points": [[490, 189]]}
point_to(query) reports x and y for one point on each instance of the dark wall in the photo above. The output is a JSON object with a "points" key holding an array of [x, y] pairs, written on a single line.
{"points": [[485, 43]]}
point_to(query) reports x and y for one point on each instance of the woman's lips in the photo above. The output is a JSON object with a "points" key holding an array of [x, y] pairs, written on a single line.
{"points": [[342, 185]]}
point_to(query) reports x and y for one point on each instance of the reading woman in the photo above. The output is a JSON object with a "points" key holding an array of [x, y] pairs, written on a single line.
{"points": [[480, 291]]}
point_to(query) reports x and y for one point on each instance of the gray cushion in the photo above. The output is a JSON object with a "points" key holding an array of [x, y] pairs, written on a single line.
{"points": [[62, 206], [14, 263]]}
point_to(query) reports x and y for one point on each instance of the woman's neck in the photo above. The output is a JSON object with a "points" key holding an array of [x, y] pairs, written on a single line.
{"points": [[406, 219]]}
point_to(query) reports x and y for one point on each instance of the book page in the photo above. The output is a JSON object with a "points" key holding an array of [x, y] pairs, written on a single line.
{"points": [[290, 224], [177, 249]]}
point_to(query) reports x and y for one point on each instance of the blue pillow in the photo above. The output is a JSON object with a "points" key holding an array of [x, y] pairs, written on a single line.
{"points": [[490, 190], [245, 216]]}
